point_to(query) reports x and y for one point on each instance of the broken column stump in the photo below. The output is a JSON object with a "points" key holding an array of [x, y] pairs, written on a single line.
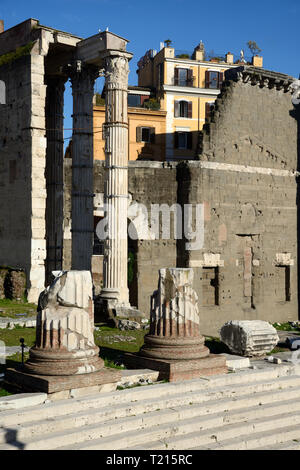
{"points": [[174, 345], [65, 356]]}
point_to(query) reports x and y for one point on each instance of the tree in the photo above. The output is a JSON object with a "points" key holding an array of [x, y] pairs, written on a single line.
{"points": [[253, 48], [168, 42]]}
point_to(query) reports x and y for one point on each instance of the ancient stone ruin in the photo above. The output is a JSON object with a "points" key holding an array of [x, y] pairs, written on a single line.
{"points": [[65, 356], [174, 345], [249, 338]]}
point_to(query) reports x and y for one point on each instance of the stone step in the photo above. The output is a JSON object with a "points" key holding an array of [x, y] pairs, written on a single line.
{"points": [[252, 405], [178, 390], [178, 436], [242, 436], [275, 439], [141, 402], [286, 445]]}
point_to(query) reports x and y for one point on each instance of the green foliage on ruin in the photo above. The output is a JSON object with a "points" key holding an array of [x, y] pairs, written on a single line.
{"points": [[19, 52]]}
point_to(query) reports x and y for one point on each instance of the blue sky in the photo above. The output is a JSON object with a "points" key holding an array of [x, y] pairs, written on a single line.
{"points": [[223, 25]]}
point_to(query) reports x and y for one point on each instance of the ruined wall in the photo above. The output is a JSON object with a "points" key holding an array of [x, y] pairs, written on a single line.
{"points": [[246, 180], [22, 154], [147, 185], [15, 165]]}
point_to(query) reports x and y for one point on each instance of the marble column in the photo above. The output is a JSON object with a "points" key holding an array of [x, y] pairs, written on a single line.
{"points": [[54, 173], [65, 328], [65, 358], [174, 318], [82, 79], [174, 345], [116, 180]]}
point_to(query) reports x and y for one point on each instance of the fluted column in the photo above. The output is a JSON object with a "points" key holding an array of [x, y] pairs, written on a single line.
{"points": [[116, 180], [174, 321], [83, 79], [54, 173]]}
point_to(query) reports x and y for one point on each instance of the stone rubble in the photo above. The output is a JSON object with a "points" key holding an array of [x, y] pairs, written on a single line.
{"points": [[6, 322], [249, 337]]}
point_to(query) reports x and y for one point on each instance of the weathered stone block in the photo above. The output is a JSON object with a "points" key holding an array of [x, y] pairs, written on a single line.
{"points": [[249, 337]]}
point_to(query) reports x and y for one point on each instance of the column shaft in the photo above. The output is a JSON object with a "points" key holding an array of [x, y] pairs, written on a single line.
{"points": [[82, 79], [116, 181], [54, 173]]}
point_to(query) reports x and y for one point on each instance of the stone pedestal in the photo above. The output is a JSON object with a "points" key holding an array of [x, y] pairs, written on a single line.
{"points": [[65, 354], [175, 346]]}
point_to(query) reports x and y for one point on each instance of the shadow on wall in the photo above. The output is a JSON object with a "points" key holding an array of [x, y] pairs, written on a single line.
{"points": [[179, 145], [295, 113]]}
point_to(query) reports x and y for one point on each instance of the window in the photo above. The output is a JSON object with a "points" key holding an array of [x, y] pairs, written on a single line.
{"points": [[183, 77], [210, 286], [145, 134], [208, 109], [283, 283], [213, 79], [183, 109], [134, 101], [183, 140], [160, 74]]}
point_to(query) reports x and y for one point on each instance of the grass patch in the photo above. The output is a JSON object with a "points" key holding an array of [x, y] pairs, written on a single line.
{"points": [[277, 350], [4, 393], [12, 337], [114, 343], [126, 341], [215, 345], [11, 308], [285, 327], [13, 361]]}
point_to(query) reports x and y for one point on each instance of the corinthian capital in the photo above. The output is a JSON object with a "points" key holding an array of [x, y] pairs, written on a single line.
{"points": [[82, 76], [117, 70]]}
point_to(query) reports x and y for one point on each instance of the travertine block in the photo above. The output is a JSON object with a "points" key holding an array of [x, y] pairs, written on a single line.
{"points": [[249, 337]]}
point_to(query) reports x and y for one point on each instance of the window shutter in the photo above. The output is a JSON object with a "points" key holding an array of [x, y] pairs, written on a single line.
{"points": [[221, 78], [207, 110], [189, 140], [139, 134], [176, 140], [190, 109], [207, 79], [176, 73], [176, 108], [190, 77], [152, 135]]}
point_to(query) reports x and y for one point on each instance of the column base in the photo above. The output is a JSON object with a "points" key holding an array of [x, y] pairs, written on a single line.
{"points": [[54, 384], [107, 302], [177, 348], [179, 370], [63, 363]]}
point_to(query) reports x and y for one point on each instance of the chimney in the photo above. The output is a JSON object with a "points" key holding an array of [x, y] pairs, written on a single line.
{"points": [[1, 26]]}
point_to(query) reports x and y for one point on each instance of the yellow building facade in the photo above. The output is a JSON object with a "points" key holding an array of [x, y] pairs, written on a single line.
{"points": [[186, 86], [146, 128]]}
